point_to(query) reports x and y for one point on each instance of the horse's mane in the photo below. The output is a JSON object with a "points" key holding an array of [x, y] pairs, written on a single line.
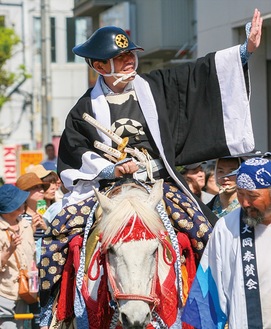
{"points": [[129, 203]]}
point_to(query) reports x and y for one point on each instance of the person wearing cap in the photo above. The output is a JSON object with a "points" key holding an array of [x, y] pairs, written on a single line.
{"points": [[39, 170], [48, 176], [158, 116], [52, 177], [233, 279], [31, 183], [16, 235], [196, 174], [226, 199]]}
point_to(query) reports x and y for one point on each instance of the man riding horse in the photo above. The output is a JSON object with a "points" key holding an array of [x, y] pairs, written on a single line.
{"points": [[144, 125]]}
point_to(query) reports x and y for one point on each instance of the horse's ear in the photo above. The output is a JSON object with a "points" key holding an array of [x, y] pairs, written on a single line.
{"points": [[104, 201], [156, 193]]}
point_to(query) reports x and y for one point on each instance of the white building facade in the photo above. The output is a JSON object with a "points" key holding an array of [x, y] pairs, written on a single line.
{"points": [[21, 117], [220, 24]]}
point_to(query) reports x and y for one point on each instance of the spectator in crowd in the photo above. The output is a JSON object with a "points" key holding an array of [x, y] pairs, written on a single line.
{"points": [[48, 176], [53, 194], [61, 190], [32, 183], [226, 199], [39, 170], [210, 182], [196, 173], [194, 186], [50, 191], [16, 237], [233, 279], [33, 213], [51, 162]]}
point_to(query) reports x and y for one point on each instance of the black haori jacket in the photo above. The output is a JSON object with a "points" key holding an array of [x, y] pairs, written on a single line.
{"points": [[195, 111]]}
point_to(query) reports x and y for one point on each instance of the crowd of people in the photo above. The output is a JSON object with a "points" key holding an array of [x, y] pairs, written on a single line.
{"points": [[153, 114], [16, 238], [23, 223], [234, 269]]}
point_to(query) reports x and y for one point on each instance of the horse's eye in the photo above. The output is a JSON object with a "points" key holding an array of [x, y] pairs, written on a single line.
{"points": [[112, 251], [154, 252]]}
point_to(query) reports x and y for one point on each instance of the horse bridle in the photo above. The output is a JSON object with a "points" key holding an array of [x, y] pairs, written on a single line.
{"points": [[117, 295], [152, 299]]}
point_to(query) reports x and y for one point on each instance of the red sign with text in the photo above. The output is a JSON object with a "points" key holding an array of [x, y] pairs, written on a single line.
{"points": [[10, 164]]}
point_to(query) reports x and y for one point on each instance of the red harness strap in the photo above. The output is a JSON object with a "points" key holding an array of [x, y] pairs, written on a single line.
{"points": [[190, 262], [99, 312], [190, 265], [167, 292], [66, 296]]}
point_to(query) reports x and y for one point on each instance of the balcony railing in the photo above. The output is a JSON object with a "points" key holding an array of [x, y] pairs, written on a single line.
{"points": [[91, 7]]}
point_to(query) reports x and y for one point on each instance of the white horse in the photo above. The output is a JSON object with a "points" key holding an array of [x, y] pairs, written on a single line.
{"points": [[138, 256]]}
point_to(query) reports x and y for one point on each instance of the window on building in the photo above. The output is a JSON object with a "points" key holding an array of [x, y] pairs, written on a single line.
{"points": [[76, 33], [2, 21], [37, 39], [53, 39]]}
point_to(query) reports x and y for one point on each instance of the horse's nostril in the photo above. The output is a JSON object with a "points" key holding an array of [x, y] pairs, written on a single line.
{"points": [[148, 318], [125, 321]]}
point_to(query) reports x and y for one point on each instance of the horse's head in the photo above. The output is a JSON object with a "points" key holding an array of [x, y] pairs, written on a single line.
{"points": [[131, 271], [131, 236]]}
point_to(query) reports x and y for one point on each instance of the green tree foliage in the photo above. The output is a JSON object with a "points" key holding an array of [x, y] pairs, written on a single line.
{"points": [[8, 41]]}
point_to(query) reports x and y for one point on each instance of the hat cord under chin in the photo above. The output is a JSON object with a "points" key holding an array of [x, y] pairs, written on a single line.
{"points": [[120, 77]]}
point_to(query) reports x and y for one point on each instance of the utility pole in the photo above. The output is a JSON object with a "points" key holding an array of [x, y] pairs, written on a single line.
{"points": [[46, 83]]}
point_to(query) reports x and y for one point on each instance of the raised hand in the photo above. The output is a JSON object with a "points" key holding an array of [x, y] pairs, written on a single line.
{"points": [[254, 38]]}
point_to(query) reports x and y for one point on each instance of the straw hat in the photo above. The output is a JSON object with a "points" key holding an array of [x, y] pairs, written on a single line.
{"points": [[39, 170], [11, 198], [29, 180]]}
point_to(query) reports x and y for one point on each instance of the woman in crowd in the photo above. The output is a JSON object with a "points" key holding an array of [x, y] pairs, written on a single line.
{"points": [[210, 182], [31, 183], [47, 176], [16, 237], [226, 199], [35, 186], [195, 173]]}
